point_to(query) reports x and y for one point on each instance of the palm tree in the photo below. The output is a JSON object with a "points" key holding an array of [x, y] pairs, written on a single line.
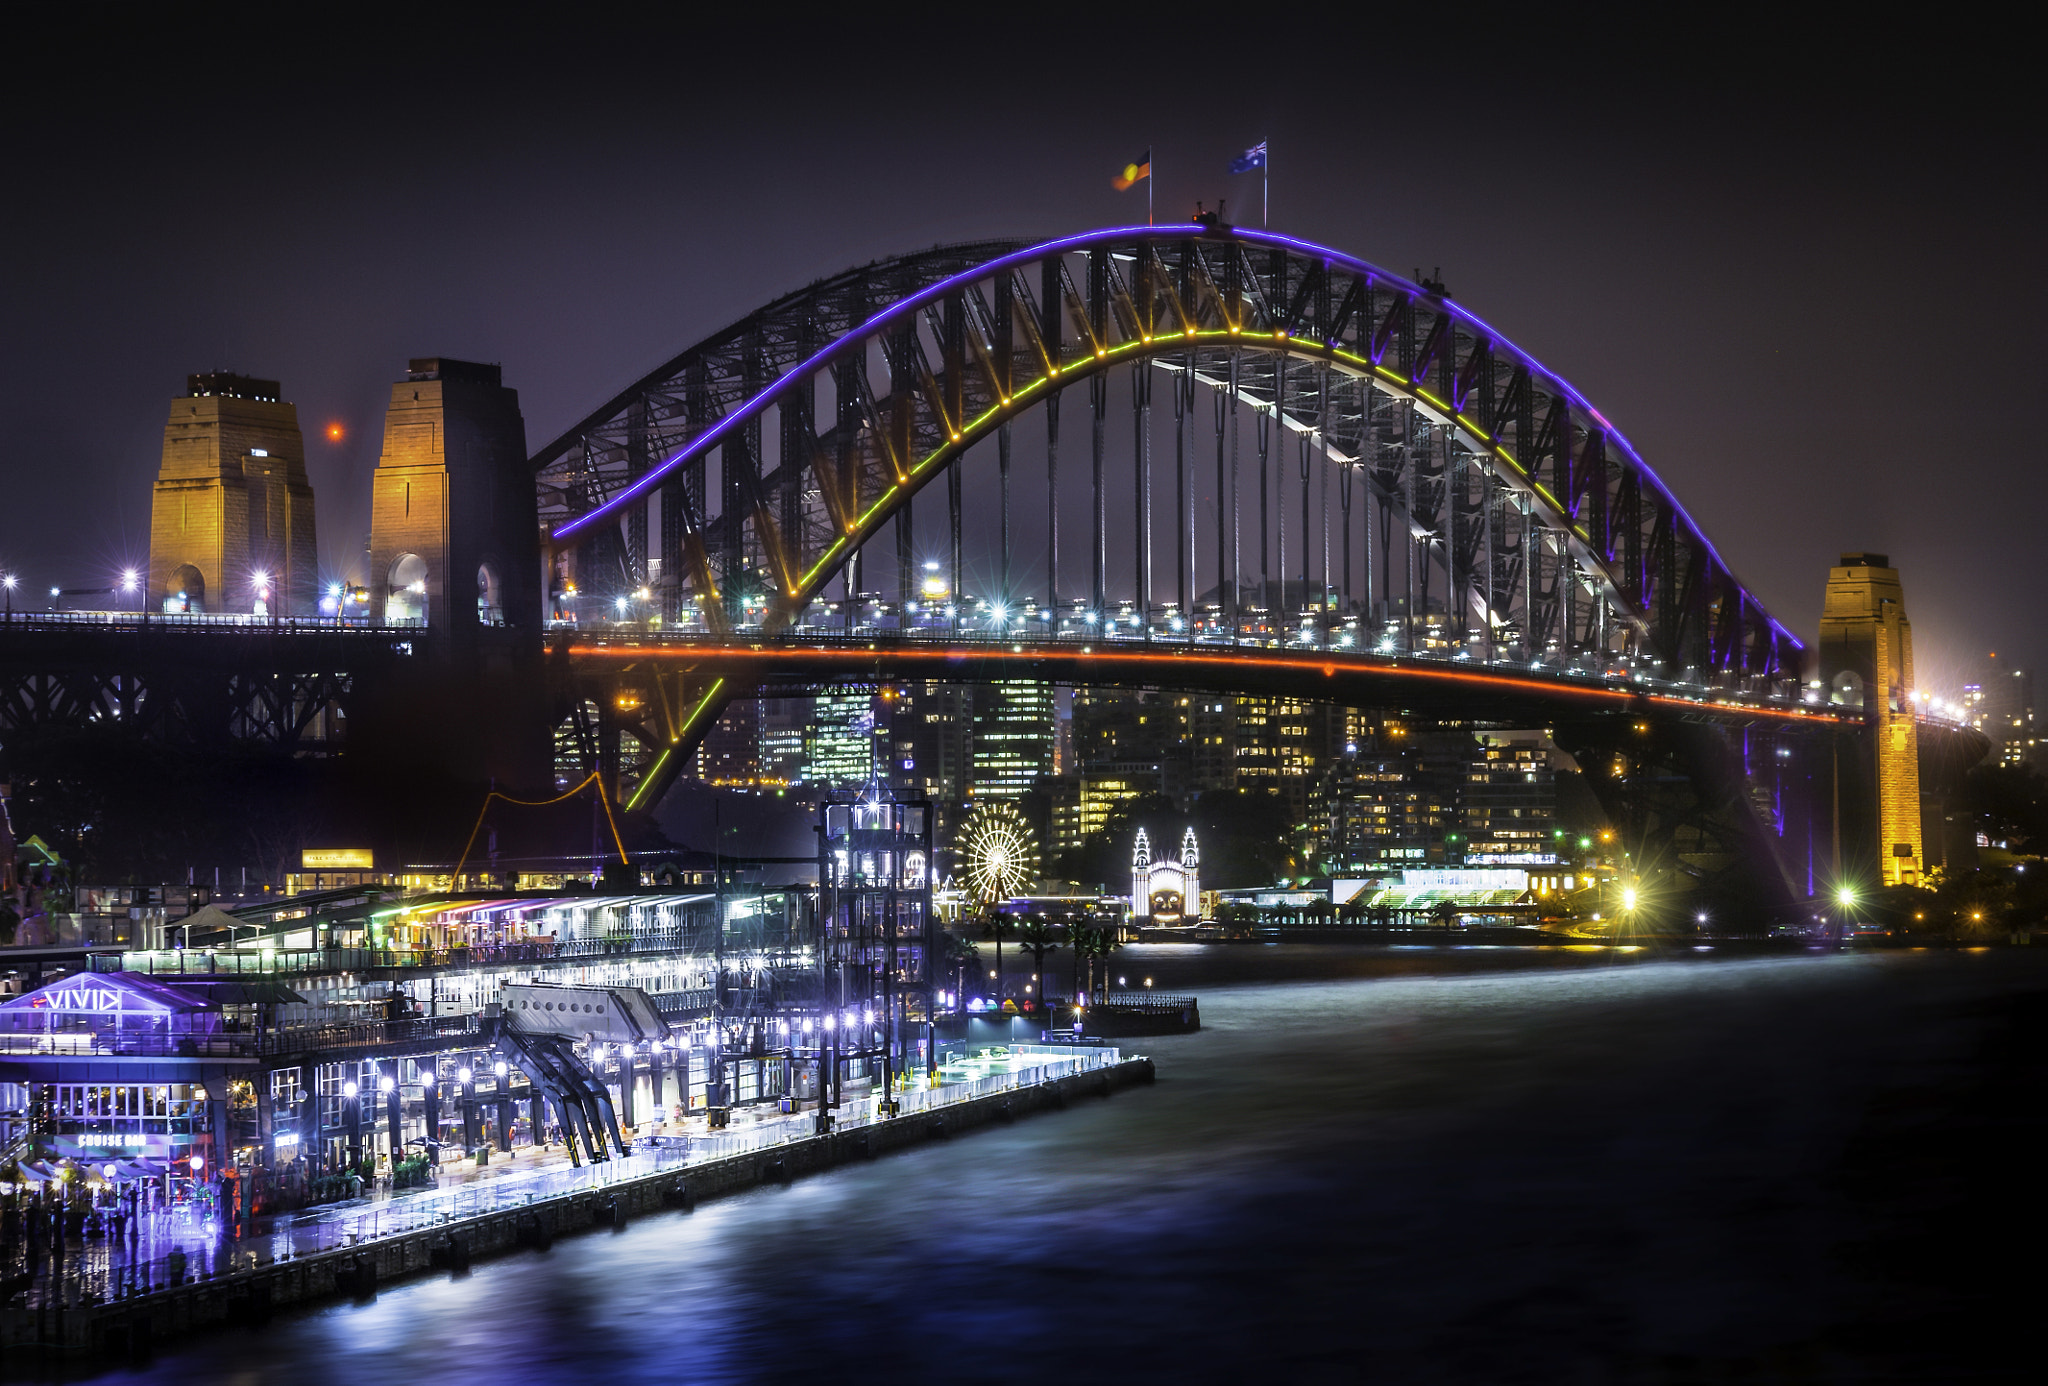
{"points": [[1082, 939], [1097, 943], [993, 922], [959, 955], [1037, 938]]}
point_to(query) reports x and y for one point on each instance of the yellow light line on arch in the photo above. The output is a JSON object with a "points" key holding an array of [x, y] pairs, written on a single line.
{"points": [[970, 432]]}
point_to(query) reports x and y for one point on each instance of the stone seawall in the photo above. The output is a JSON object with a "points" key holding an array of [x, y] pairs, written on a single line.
{"points": [[127, 1329]]}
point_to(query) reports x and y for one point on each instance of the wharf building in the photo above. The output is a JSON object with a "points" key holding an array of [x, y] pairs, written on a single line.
{"points": [[231, 519], [277, 1051]]}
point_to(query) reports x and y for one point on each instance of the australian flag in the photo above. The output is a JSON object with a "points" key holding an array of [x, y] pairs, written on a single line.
{"points": [[1252, 158]]}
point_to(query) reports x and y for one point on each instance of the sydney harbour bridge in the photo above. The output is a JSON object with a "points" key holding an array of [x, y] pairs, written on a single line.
{"points": [[1190, 457]]}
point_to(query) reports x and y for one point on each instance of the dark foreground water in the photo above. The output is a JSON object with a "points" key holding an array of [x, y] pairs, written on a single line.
{"points": [[1469, 1166]]}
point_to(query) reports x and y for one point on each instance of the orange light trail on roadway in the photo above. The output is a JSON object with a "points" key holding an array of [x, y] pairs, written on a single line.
{"points": [[1297, 664]]}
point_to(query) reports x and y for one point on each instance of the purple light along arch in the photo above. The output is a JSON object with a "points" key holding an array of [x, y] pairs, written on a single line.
{"points": [[905, 307]]}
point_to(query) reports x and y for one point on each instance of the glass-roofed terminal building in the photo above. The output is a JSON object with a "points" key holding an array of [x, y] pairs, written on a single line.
{"points": [[370, 1028]]}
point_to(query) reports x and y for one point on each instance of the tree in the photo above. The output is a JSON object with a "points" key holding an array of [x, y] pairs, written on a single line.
{"points": [[994, 923], [959, 956], [1088, 942], [1036, 937], [1097, 942], [1976, 904], [2009, 804], [1237, 918]]}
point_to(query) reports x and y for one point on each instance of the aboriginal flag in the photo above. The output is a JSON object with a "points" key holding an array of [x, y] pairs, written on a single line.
{"points": [[1133, 172]]}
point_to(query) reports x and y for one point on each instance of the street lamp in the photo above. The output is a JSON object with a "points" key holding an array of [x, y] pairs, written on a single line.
{"points": [[8, 581], [392, 1135], [351, 1113], [470, 1138]]}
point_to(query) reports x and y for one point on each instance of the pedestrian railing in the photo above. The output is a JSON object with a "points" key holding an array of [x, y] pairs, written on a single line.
{"points": [[1141, 1001], [114, 1041]]}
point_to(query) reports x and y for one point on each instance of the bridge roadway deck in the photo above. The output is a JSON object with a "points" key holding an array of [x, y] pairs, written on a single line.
{"points": [[1452, 684], [1448, 685]]}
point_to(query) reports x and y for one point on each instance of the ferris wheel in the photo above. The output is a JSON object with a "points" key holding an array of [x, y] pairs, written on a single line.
{"points": [[998, 855]]}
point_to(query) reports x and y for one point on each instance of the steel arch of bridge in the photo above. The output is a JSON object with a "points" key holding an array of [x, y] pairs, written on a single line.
{"points": [[1553, 540]]}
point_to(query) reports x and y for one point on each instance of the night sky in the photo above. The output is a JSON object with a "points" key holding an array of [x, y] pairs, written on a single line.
{"points": [[1799, 268]]}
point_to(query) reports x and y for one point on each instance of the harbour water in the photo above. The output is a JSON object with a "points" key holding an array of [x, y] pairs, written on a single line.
{"points": [[1407, 1165]]}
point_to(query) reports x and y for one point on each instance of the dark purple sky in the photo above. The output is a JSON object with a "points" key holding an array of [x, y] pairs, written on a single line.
{"points": [[1800, 270]]}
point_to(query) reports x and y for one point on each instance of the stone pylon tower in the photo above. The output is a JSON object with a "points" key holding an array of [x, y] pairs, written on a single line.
{"points": [[1141, 876], [454, 524], [231, 524], [1866, 661], [1191, 874], [455, 553]]}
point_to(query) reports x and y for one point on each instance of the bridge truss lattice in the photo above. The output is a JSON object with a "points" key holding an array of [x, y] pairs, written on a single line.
{"points": [[1381, 468]]}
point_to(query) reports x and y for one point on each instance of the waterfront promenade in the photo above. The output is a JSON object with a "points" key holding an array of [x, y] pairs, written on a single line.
{"points": [[185, 1245]]}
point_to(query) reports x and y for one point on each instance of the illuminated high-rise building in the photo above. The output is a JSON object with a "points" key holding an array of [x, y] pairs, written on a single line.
{"points": [[730, 754], [931, 738], [1866, 662], [1014, 731], [840, 744], [783, 724], [231, 523], [2007, 712], [1509, 804]]}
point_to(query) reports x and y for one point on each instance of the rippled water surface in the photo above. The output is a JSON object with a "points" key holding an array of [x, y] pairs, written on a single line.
{"points": [[1410, 1166]]}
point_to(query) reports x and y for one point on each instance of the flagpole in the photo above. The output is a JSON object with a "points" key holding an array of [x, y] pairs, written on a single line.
{"points": [[1151, 177], [1266, 186]]}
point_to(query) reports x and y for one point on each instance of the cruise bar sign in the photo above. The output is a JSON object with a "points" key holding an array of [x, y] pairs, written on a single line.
{"points": [[337, 859]]}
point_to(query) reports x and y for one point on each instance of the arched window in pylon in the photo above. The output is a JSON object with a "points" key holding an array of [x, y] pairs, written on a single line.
{"points": [[184, 591], [407, 603], [490, 600]]}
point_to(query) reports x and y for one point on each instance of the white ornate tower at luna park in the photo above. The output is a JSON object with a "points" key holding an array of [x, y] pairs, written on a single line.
{"points": [[1184, 877]]}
